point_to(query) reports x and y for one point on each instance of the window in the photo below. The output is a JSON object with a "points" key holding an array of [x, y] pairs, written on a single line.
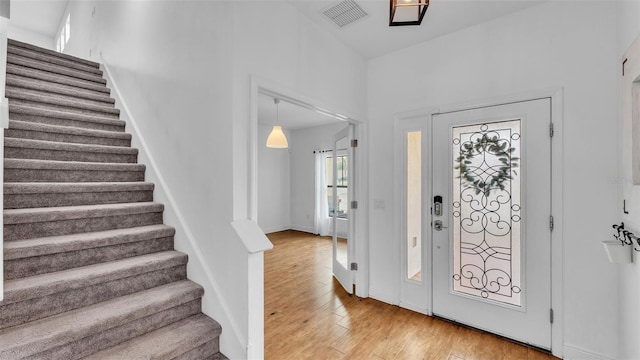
{"points": [[65, 34], [341, 186]]}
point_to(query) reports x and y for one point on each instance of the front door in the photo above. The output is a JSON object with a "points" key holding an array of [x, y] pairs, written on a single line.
{"points": [[491, 219]]}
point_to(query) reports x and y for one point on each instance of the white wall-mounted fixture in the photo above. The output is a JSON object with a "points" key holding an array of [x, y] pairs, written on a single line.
{"points": [[277, 139], [617, 252], [407, 12]]}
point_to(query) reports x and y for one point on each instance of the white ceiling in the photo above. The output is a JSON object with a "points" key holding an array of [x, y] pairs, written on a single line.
{"points": [[371, 36], [40, 16]]}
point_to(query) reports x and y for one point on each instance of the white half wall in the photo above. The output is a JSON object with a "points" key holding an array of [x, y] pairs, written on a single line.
{"points": [[543, 47], [274, 175]]}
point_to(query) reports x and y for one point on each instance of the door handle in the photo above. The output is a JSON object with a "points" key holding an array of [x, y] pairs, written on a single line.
{"points": [[437, 225]]}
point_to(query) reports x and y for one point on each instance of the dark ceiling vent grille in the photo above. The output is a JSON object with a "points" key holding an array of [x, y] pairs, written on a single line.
{"points": [[344, 13]]}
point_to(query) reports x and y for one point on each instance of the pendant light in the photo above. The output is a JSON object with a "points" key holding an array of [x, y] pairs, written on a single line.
{"points": [[277, 139]]}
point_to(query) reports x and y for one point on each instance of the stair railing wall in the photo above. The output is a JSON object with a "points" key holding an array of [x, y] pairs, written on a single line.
{"points": [[231, 334], [4, 123]]}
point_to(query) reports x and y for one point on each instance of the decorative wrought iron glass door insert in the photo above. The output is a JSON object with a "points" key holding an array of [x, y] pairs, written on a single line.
{"points": [[491, 176], [486, 211]]}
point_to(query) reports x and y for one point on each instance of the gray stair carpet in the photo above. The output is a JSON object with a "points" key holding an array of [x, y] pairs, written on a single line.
{"points": [[89, 266]]}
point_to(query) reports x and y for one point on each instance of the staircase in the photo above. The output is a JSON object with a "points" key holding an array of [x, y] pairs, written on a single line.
{"points": [[90, 270]]}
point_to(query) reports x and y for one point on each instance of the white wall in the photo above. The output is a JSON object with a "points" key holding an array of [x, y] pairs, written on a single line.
{"points": [[184, 69], [171, 62], [546, 46], [304, 143], [282, 47], [24, 35], [274, 174], [629, 277]]}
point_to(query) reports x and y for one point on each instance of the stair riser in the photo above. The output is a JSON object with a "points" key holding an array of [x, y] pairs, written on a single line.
{"points": [[107, 114], [54, 69], [61, 155], [204, 351], [66, 138], [19, 268], [105, 339], [22, 83], [46, 175], [54, 60], [38, 308], [65, 122], [23, 201], [29, 93], [64, 227], [54, 78]]}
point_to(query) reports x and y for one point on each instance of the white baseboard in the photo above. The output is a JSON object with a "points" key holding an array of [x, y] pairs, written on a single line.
{"points": [[571, 352], [272, 229], [302, 228], [381, 295], [415, 308]]}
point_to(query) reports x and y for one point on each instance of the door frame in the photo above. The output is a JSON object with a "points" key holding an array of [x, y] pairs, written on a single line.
{"points": [[267, 87], [557, 179]]}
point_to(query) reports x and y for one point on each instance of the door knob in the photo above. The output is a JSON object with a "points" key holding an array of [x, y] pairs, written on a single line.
{"points": [[438, 225]]}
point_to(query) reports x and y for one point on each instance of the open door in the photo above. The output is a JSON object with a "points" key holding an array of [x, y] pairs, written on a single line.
{"points": [[341, 192]]}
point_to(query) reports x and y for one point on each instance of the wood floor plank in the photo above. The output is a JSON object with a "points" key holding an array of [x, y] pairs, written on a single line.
{"points": [[309, 316]]}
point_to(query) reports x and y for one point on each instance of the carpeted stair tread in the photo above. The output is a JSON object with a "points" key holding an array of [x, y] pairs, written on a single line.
{"points": [[18, 195], [54, 69], [76, 242], [63, 118], [17, 82], [43, 99], [40, 188], [68, 165], [35, 215], [81, 277], [168, 342], [20, 44], [61, 146], [75, 108], [16, 148], [39, 336], [67, 134], [53, 60], [57, 99], [29, 170], [27, 72]]}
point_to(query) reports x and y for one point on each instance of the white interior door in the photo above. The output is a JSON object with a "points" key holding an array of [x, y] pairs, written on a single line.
{"points": [[341, 191], [492, 239]]}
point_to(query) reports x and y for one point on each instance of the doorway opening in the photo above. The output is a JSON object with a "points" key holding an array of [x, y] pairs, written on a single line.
{"points": [[284, 182]]}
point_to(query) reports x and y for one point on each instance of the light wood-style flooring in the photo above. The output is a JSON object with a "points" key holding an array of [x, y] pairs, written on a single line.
{"points": [[309, 316]]}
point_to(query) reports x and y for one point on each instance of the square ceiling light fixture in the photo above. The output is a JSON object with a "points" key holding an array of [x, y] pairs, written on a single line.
{"points": [[407, 12]]}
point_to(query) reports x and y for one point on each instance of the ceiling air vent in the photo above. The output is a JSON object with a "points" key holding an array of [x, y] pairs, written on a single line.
{"points": [[344, 13]]}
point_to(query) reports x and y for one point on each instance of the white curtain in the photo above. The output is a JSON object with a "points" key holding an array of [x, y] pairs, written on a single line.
{"points": [[321, 220]]}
